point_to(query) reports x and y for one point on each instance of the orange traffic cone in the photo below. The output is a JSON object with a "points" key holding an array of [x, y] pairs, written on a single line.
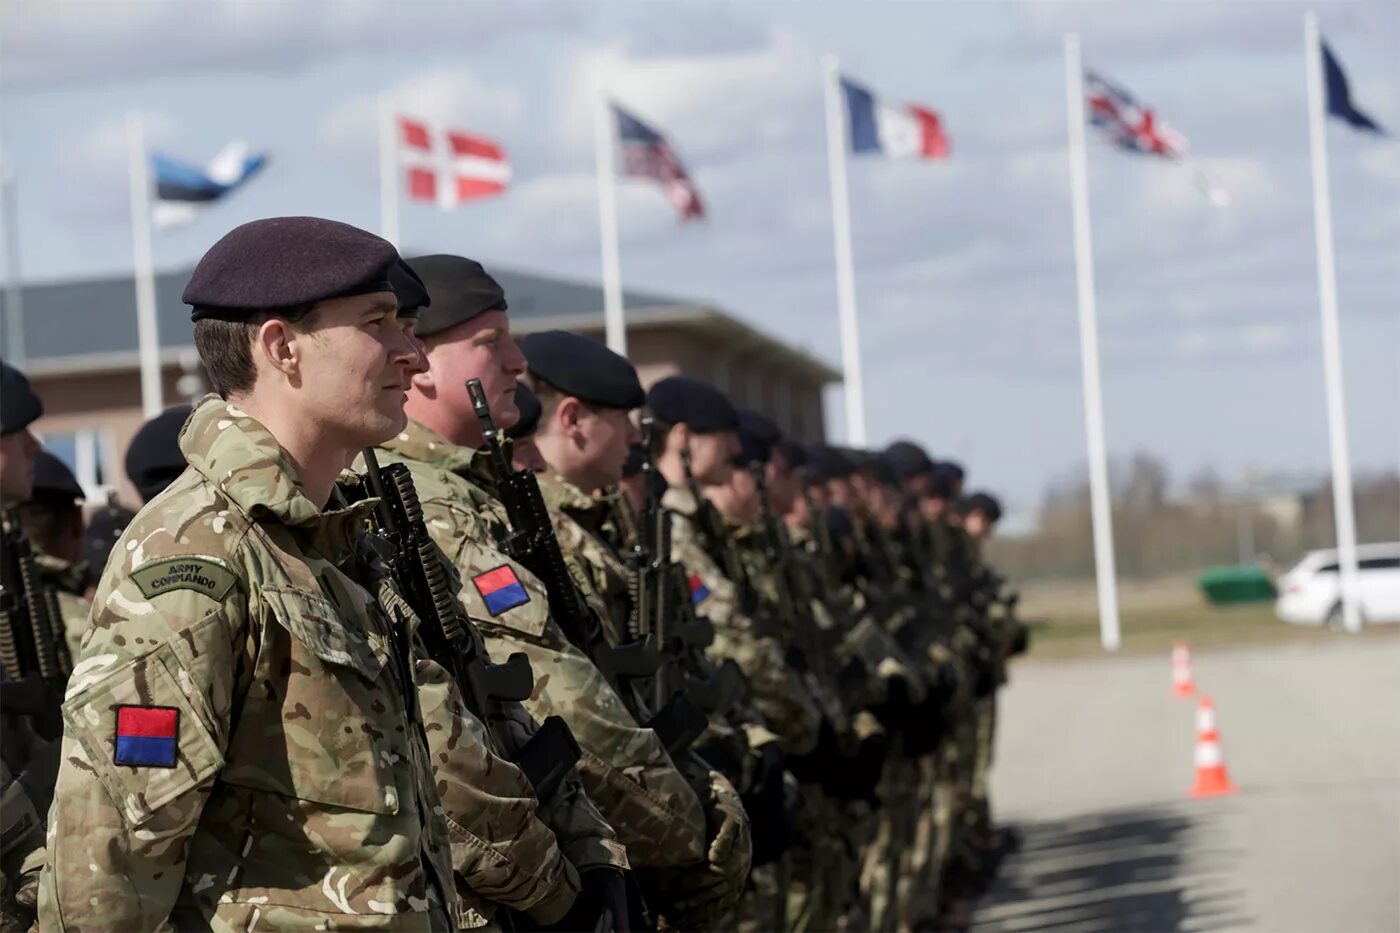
{"points": [[1183, 683], [1211, 779]]}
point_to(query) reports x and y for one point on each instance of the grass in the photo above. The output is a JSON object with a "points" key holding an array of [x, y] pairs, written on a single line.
{"points": [[1152, 629]]}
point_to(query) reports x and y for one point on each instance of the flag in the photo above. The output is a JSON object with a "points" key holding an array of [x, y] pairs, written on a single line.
{"points": [[449, 167], [646, 154], [892, 129], [1339, 95], [183, 190], [1137, 128]]}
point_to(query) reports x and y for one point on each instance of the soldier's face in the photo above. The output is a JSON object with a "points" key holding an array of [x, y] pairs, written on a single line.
{"points": [[743, 503], [712, 457], [481, 348], [18, 449], [605, 437], [525, 455], [976, 525], [782, 484], [360, 357]]}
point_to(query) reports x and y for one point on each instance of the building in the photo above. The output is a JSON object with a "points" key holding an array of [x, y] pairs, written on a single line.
{"points": [[76, 340]]}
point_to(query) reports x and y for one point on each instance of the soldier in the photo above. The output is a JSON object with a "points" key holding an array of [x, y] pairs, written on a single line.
{"points": [[244, 744], [53, 521], [585, 435], [28, 760], [154, 458], [525, 454]]}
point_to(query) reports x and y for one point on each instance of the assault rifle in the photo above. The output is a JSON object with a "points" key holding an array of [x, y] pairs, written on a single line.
{"points": [[33, 650], [532, 542], [415, 564], [662, 605]]}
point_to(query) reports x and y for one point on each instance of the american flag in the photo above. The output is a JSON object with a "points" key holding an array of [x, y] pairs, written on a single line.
{"points": [[646, 154], [449, 167]]}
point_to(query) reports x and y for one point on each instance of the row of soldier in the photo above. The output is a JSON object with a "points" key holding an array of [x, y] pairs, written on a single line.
{"points": [[424, 628]]}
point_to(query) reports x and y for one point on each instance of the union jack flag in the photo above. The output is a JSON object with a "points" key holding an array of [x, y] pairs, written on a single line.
{"points": [[1129, 124], [1137, 128], [646, 154]]}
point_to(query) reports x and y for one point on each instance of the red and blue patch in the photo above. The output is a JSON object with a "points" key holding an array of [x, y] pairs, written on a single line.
{"points": [[501, 589], [699, 592], [147, 736]]}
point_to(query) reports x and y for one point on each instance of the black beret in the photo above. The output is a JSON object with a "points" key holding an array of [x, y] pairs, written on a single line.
{"points": [[693, 402], [983, 502], [949, 470], [408, 288], [584, 368], [284, 262], [53, 480], [19, 406], [460, 290], [907, 459], [154, 459], [530, 410], [874, 466], [757, 435], [102, 533], [824, 463], [793, 452]]}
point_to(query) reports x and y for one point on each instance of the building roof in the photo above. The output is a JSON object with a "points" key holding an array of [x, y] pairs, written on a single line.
{"points": [[88, 324]]}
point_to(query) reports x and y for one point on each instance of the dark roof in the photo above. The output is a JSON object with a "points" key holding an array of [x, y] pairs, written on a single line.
{"points": [[97, 317]]}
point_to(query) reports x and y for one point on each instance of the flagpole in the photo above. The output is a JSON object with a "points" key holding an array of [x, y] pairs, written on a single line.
{"points": [[388, 171], [836, 133], [143, 266], [604, 136], [1343, 505], [14, 285], [1104, 571]]}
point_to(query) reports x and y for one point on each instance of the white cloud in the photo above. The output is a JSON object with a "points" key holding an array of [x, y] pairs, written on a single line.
{"points": [[96, 159]]}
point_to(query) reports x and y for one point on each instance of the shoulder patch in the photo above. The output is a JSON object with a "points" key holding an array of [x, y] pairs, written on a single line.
{"points": [[201, 574], [147, 736], [500, 589], [699, 592]]}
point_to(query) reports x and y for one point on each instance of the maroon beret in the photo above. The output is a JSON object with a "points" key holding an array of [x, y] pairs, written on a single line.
{"points": [[283, 262]]}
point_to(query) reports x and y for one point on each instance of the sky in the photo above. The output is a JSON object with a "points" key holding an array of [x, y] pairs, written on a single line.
{"points": [[1208, 316]]}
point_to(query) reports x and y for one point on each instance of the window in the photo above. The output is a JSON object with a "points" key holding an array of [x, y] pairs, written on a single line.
{"points": [[86, 452]]}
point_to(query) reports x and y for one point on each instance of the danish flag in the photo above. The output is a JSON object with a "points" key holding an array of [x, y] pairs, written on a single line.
{"points": [[449, 167]]}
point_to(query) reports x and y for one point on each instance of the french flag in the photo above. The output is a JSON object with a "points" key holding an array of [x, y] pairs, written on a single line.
{"points": [[183, 190], [894, 130]]}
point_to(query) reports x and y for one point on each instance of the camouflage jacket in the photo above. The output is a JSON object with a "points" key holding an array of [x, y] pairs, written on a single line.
{"points": [[779, 694], [70, 584], [238, 748], [510, 608]]}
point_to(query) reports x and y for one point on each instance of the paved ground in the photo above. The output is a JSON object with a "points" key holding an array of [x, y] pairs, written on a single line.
{"points": [[1095, 760]]}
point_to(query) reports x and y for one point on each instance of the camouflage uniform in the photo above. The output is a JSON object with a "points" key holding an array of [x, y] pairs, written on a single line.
{"points": [[238, 745], [625, 768], [69, 582]]}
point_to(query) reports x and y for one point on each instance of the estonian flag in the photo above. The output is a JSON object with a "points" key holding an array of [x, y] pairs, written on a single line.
{"points": [[894, 130], [184, 190], [1339, 95]]}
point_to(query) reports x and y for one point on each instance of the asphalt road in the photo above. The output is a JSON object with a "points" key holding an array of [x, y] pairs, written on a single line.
{"points": [[1094, 761]]}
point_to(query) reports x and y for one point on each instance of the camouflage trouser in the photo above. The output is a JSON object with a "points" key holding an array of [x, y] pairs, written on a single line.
{"points": [[823, 868], [982, 764], [759, 910], [859, 825], [886, 879], [961, 760], [933, 837]]}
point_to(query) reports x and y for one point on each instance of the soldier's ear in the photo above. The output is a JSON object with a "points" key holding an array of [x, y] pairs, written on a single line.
{"points": [[568, 412], [275, 341], [422, 379]]}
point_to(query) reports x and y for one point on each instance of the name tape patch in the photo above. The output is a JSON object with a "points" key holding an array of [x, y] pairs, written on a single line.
{"points": [[201, 574], [147, 736], [699, 592], [501, 589]]}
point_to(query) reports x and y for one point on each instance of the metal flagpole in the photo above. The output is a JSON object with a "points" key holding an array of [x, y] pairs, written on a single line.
{"points": [[845, 263], [147, 335], [1343, 505], [14, 286], [388, 171], [604, 134], [1106, 574]]}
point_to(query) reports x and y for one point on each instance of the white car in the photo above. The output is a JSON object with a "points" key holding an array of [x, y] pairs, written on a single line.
{"points": [[1309, 594]]}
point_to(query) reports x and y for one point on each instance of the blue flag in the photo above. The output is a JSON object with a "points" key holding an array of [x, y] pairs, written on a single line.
{"points": [[184, 190], [1339, 95]]}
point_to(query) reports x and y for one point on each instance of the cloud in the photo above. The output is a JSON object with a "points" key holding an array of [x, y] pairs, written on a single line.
{"points": [[98, 156], [48, 43]]}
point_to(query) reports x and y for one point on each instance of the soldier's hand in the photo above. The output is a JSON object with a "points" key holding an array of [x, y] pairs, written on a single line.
{"points": [[730, 853]]}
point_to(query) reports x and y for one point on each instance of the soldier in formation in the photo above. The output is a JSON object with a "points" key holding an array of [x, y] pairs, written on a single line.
{"points": [[424, 628]]}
